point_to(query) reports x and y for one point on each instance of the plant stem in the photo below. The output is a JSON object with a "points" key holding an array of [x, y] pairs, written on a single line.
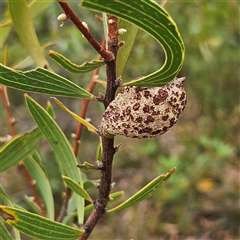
{"points": [[108, 149], [106, 55]]}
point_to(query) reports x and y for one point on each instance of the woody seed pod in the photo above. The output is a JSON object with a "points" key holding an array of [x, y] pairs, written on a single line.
{"points": [[142, 112]]}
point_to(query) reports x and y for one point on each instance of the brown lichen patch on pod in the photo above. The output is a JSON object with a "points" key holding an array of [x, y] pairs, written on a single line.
{"points": [[141, 112]]}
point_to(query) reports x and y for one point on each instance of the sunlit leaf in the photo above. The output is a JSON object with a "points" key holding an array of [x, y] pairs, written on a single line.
{"points": [[89, 126], [19, 148], [41, 80], [145, 192], [72, 67], [36, 226], [77, 188], [42, 185], [152, 18], [23, 24], [60, 145]]}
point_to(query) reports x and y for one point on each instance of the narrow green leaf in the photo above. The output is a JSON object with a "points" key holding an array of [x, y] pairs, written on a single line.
{"points": [[128, 38], [37, 226], [5, 235], [60, 145], [153, 19], [36, 156], [72, 67], [77, 188], [24, 27], [32, 206], [42, 185], [19, 148], [89, 126], [40, 80], [5, 30], [50, 109], [145, 192], [99, 151]]}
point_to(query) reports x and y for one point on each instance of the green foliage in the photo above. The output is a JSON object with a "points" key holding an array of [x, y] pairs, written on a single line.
{"points": [[24, 27], [202, 196], [37, 226], [43, 80], [72, 67], [158, 23], [23, 145], [145, 192]]}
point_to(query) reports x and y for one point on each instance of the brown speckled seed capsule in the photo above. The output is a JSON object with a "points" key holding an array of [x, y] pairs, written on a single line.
{"points": [[141, 112]]}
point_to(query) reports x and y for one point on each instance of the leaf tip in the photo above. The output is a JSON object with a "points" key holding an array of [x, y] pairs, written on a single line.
{"points": [[172, 170], [7, 215], [25, 95]]}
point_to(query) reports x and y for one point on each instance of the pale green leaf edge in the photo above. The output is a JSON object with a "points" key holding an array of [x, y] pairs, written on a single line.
{"points": [[145, 192], [72, 67]]}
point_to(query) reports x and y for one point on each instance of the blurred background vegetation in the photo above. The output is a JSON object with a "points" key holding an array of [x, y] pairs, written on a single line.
{"points": [[201, 200]]}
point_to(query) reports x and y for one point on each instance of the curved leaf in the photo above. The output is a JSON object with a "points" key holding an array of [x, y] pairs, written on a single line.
{"points": [[72, 67], [24, 27], [77, 188], [42, 185], [152, 18], [19, 148], [60, 145], [37, 226], [129, 39], [40, 80], [145, 192]]}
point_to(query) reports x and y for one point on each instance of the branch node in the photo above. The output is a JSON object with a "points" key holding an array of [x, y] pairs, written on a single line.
{"points": [[118, 81]]}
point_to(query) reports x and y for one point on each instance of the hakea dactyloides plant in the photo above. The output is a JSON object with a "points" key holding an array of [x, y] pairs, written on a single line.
{"points": [[144, 108]]}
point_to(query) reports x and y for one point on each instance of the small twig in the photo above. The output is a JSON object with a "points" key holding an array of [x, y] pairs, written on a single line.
{"points": [[6, 103], [108, 149], [63, 211], [106, 55]]}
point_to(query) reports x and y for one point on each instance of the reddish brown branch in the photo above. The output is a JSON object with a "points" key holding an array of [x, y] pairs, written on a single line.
{"points": [[106, 55], [108, 149], [6, 103]]}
